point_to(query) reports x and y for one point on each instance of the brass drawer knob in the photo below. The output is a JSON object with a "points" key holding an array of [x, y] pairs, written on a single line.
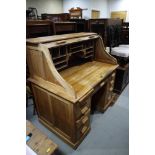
{"points": [[112, 81], [84, 129], [83, 111], [113, 75], [101, 84], [84, 120], [111, 88]]}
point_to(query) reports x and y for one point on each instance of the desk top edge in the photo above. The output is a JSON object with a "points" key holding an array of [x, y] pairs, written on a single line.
{"points": [[53, 38]]}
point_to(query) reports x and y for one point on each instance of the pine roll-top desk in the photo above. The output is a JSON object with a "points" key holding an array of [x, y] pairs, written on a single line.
{"points": [[69, 74]]}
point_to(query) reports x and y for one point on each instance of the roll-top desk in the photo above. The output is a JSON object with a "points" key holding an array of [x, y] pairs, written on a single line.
{"points": [[70, 74]]}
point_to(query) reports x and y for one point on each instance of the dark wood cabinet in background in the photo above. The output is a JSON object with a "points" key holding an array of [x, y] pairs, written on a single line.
{"points": [[109, 29], [82, 24], [64, 27], [122, 78], [38, 28], [125, 33], [56, 17]]}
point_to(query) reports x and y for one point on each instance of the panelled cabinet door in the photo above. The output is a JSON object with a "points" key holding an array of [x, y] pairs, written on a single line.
{"points": [[43, 104], [58, 113], [63, 114]]}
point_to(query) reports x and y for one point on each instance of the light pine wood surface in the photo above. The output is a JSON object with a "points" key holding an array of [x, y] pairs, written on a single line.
{"points": [[69, 74]]}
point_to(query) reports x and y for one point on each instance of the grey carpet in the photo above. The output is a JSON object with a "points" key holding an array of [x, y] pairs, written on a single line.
{"points": [[109, 133]]}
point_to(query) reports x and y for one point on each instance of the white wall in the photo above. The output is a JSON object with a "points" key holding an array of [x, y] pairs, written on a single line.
{"points": [[59, 6], [101, 5], [46, 6], [119, 5]]}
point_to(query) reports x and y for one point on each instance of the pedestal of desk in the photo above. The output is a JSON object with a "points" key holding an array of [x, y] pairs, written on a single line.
{"points": [[103, 96]]}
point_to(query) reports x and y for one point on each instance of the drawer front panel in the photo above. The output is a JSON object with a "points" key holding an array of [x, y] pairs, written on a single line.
{"points": [[82, 108], [82, 130], [83, 119]]}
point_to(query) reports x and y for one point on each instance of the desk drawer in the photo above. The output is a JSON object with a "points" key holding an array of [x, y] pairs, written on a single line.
{"points": [[82, 124], [82, 131], [112, 82], [110, 87], [85, 102], [82, 108], [83, 120]]}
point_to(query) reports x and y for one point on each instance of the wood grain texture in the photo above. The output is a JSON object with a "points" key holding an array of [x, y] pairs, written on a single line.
{"points": [[39, 142], [70, 73], [85, 77]]}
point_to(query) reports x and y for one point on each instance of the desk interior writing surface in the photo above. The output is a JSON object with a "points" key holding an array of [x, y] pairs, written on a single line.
{"points": [[84, 77]]}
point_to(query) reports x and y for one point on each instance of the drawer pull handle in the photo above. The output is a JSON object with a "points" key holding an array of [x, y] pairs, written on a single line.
{"points": [[112, 82], [111, 88], [113, 74], [84, 120], [102, 84], [84, 110], [83, 129]]}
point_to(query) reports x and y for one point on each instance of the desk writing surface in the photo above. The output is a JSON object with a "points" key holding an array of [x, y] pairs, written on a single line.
{"points": [[86, 76]]}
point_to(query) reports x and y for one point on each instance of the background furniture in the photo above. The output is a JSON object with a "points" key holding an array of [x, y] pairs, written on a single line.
{"points": [[70, 75], [122, 78], [56, 17], [108, 28], [38, 28], [39, 142], [95, 14], [119, 14], [81, 24], [64, 27], [125, 33], [75, 12], [121, 53], [32, 13]]}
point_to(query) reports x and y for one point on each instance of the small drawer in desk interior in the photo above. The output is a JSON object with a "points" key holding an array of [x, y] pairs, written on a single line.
{"points": [[85, 101]]}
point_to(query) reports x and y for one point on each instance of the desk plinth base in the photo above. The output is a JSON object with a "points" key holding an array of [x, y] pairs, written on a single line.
{"points": [[55, 131]]}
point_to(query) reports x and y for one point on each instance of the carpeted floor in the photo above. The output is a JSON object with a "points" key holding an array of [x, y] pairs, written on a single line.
{"points": [[109, 133]]}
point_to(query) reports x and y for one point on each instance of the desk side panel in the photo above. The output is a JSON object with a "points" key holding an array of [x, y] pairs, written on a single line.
{"points": [[102, 55], [58, 114]]}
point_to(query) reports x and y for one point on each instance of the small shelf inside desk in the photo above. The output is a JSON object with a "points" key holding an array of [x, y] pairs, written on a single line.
{"points": [[83, 51]]}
